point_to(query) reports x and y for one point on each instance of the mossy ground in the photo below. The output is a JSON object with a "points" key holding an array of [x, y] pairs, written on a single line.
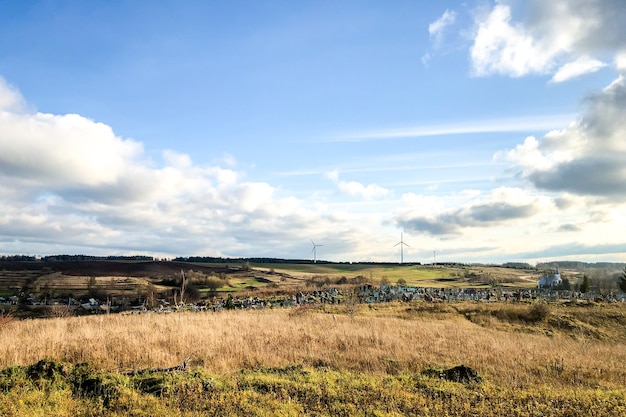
{"points": [[50, 388]]}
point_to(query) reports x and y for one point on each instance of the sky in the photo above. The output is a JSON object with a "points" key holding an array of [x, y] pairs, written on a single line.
{"points": [[472, 131]]}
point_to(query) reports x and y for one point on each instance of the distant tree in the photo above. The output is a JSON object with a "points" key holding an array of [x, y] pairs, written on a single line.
{"points": [[401, 281], [622, 281], [584, 287], [151, 295], [564, 285], [192, 294]]}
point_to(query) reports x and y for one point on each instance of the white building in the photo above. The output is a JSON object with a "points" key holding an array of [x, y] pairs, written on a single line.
{"points": [[548, 281]]}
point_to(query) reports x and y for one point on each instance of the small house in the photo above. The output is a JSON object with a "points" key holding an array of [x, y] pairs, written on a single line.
{"points": [[550, 280]]}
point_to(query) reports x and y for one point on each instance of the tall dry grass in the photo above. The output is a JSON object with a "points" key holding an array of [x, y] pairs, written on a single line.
{"points": [[226, 341]]}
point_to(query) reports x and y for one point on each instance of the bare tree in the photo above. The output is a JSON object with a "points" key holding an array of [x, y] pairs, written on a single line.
{"points": [[182, 286]]}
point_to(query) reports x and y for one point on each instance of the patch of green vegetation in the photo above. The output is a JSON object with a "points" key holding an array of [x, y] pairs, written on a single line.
{"points": [[61, 389]]}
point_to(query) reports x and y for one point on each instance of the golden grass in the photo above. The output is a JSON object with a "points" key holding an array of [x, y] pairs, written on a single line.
{"points": [[383, 359], [394, 339]]}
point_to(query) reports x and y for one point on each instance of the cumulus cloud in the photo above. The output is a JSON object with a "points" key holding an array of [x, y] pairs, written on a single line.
{"points": [[586, 158], [68, 181], [69, 149], [565, 37], [503, 206]]}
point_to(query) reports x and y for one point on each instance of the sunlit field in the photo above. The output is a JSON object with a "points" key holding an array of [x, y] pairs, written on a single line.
{"points": [[385, 359]]}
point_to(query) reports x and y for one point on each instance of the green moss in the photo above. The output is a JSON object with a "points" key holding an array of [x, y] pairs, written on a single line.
{"points": [[61, 389]]}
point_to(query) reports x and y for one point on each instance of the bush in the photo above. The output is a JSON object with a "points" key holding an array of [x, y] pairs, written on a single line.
{"points": [[537, 312]]}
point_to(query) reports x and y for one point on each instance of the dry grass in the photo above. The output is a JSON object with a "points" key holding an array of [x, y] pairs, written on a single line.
{"points": [[395, 339]]}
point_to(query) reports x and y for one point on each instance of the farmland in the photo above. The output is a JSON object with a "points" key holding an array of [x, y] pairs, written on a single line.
{"points": [[32, 289], [125, 278]]}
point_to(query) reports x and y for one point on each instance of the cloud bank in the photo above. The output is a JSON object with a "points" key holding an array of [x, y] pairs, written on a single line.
{"points": [[68, 180], [586, 158], [502, 207]]}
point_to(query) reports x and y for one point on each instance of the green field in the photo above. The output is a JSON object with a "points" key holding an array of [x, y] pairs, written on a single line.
{"points": [[414, 275]]}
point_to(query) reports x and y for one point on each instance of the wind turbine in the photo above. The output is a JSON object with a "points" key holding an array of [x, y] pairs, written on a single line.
{"points": [[402, 244], [314, 251]]}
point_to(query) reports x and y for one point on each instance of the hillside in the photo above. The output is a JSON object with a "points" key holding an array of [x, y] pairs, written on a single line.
{"points": [[414, 359]]}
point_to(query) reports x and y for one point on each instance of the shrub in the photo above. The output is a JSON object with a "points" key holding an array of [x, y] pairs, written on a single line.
{"points": [[537, 312]]}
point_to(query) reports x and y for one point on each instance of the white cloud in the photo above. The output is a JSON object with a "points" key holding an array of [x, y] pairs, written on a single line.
{"points": [[356, 189], [583, 65], [620, 61], [69, 149], [437, 28], [10, 98], [70, 182], [502, 48], [503, 207], [567, 36]]}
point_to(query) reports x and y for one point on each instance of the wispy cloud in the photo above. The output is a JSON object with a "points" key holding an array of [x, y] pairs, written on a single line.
{"points": [[583, 65], [437, 28], [519, 124], [390, 168]]}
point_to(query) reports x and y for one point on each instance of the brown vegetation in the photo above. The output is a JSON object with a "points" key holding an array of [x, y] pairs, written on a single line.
{"points": [[385, 338], [417, 359]]}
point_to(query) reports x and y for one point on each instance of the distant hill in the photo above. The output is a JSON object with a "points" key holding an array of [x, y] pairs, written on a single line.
{"points": [[581, 266]]}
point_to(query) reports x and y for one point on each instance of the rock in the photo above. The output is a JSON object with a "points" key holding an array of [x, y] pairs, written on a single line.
{"points": [[460, 373]]}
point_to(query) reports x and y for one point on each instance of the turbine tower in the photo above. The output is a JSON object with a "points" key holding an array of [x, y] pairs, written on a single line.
{"points": [[314, 251], [402, 244]]}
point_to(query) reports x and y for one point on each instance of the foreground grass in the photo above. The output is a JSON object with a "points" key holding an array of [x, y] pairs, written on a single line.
{"points": [[50, 388], [552, 360]]}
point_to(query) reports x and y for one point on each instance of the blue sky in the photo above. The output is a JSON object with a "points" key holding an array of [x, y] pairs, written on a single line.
{"points": [[484, 131]]}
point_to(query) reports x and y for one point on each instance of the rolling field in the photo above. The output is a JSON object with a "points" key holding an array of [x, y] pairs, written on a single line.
{"points": [[415, 275], [134, 279], [390, 359]]}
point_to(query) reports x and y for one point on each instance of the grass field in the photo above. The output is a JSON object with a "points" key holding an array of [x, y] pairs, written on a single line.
{"points": [[384, 360], [415, 275]]}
